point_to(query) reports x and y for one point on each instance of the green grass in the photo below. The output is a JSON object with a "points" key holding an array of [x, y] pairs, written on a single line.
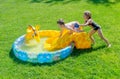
{"points": [[97, 63]]}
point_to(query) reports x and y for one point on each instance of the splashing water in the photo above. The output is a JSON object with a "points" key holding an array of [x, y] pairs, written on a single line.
{"points": [[34, 47]]}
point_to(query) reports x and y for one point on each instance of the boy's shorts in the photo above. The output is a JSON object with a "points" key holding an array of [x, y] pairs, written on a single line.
{"points": [[76, 25]]}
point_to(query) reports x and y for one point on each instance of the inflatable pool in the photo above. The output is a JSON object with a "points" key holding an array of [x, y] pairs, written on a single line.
{"points": [[46, 46], [42, 56]]}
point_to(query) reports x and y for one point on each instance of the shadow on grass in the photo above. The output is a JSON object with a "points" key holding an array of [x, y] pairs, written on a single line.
{"points": [[104, 1], [54, 1], [51, 2], [77, 52], [16, 60]]}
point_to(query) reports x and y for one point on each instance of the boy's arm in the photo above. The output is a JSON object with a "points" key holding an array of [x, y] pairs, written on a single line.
{"points": [[71, 29], [61, 32]]}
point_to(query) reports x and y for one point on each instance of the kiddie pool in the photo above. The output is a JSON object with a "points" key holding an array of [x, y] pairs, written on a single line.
{"points": [[42, 56]]}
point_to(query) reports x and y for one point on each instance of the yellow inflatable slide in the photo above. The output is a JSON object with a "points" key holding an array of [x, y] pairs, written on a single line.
{"points": [[80, 39]]}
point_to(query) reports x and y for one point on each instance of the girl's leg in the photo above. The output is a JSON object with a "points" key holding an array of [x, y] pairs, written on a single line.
{"points": [[102, 37], [91, 35]]}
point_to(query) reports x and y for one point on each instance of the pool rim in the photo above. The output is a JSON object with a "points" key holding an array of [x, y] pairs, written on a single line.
{"points": [[66, 51]]}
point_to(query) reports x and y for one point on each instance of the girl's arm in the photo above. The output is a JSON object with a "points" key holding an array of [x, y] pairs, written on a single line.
{"points": [[87, 23]]}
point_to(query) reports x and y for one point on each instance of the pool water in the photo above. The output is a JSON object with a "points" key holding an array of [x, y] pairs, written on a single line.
{"points": [[34, 46]]}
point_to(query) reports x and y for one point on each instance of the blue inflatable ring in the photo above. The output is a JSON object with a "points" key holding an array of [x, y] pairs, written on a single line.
{"points": [[46, 57]]}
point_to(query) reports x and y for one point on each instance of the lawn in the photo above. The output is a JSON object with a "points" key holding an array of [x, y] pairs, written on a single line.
{"points": [[99, 62]]}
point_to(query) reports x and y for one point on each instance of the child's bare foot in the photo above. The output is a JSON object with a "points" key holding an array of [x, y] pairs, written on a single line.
{"points": [[109, 45]]}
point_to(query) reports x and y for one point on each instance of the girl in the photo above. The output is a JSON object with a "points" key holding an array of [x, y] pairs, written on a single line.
{"points": [[73, 26], [94, 26]]}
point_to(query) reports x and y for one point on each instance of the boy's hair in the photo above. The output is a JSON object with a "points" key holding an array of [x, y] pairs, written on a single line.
{"points": [[88, 14], [61, 22]]}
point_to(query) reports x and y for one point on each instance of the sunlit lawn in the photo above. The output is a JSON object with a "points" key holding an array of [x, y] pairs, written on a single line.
{"points": [[99, 62]]}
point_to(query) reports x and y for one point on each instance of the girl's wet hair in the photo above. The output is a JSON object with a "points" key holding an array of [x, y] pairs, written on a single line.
{"points": [[88, 14], [61, 22]]}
